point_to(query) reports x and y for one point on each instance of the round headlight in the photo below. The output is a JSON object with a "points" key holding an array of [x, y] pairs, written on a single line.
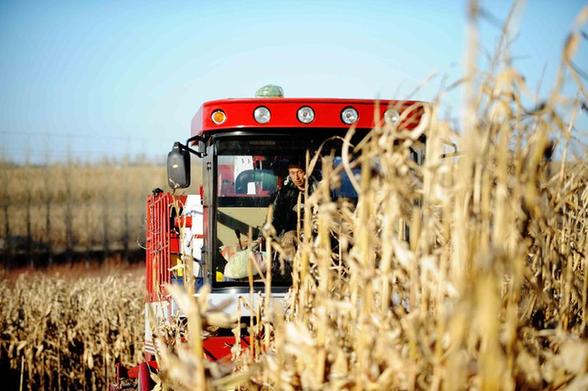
{"points": [[349, 115], [218, 117], [262, 115], [392, 117], [305, 115]]}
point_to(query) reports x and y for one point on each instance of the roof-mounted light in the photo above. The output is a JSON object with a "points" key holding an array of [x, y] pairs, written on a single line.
{"points": [[262, 115], [270, 91], [218, 117], [349, 115], [392, 117], [305, 114]]}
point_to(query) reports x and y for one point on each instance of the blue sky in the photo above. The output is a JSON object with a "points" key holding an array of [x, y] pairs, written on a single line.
{"points": [[99, 78]]}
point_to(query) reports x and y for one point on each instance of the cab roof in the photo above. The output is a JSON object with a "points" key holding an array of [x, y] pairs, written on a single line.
{"points": [[239, 114]]}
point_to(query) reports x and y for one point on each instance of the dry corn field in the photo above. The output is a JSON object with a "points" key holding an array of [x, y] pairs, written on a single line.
{"points": [[65, 331], [468, 272], [74, 210], [73, 207]]}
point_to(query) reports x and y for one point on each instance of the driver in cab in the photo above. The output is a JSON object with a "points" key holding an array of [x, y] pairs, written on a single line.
{"points": [[288, 200]]}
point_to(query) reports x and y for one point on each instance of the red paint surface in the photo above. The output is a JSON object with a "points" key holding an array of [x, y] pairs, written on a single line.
{"points": [[219, 348], [283, 113], [161, 242]]}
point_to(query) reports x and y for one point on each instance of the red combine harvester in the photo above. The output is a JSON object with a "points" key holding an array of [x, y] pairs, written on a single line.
{"points": [[244, 146]]}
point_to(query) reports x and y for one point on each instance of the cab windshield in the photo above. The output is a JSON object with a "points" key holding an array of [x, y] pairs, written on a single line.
{"points": [[249, 174]]}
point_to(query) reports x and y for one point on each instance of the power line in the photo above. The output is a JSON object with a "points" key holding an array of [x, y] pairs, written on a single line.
{"points": [[75, 151], [84, 136]]}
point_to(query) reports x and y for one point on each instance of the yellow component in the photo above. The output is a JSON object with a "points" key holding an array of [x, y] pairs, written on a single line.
{"points": [[219, 277], [218, 117], [180, 269]]}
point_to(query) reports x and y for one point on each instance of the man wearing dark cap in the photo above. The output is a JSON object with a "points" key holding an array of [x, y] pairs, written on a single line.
{"points": [[285, 215]]}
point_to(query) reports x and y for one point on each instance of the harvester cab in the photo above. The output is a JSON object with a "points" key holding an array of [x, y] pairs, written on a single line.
{"points": [[243, 147]]}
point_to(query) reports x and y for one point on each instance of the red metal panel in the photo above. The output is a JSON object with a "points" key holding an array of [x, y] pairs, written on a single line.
{"points": [[143, 378], [150, 215], [174, 244], [283, 113], [164, 249], [183, 221], [219, 348], [162, 241]]}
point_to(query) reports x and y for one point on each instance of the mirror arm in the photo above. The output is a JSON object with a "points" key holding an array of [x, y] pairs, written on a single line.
{"points": [[198, 138], [184, 147]]}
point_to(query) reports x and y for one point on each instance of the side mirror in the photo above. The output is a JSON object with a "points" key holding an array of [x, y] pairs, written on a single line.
{"points": [[178, 167]]}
